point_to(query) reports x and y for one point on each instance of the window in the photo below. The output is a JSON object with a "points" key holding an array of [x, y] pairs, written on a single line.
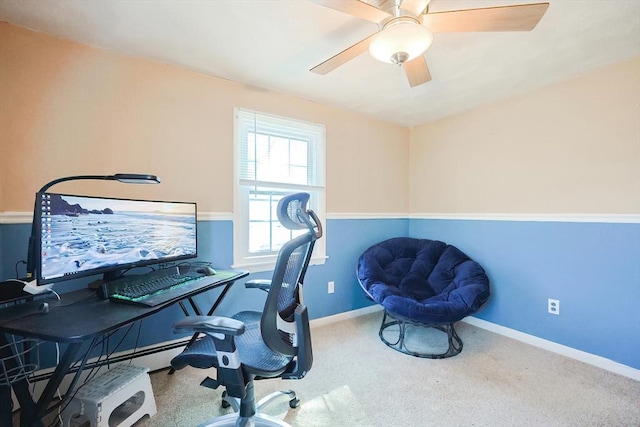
{"points": [[275, 156]]}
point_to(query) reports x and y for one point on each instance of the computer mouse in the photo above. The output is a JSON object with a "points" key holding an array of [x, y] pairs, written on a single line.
{"points": [[206, 270]]}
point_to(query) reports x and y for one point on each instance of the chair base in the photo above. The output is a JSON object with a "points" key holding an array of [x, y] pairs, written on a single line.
{"points": [[455, 343], [232, 420], [247, 411]]}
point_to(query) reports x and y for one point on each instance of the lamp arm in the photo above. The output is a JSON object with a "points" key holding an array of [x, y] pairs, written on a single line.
{"points": [[73, 178], [122, 177]]}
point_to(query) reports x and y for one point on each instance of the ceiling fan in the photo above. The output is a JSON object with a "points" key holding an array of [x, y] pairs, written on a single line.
{"points": [[407, 27]]}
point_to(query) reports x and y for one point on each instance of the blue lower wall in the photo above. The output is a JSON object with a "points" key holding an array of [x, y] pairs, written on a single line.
{"points": [[592, 268]]}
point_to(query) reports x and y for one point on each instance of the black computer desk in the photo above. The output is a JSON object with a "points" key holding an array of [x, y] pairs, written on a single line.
{"points": [[76, 319]]}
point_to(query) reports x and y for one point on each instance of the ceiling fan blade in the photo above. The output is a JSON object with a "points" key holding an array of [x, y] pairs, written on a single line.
{"points": [[417, 71], [356, 8], [346, 55], [416, 7], [505, 18]]}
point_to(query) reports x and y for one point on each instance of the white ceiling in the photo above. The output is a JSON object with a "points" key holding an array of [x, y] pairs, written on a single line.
{"points": [[272, 44]]}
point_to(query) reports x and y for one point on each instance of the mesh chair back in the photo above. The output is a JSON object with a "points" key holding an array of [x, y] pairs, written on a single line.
{"points": [[278, 323]]}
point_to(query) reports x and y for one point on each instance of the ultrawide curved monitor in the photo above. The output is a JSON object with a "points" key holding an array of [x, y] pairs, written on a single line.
{"points": [[82, 235]]}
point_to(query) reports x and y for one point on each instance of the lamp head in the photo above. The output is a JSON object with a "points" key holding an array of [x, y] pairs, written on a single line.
{"points": [[134, 178]]}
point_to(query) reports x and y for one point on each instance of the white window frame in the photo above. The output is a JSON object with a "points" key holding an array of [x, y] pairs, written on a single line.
{"points": [[242, 258]]}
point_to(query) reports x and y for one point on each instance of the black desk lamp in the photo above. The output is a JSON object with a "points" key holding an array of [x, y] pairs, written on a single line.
{"points": [[128, 178]]}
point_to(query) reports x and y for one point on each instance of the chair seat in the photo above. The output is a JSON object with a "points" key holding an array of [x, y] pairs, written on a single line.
{"points": [[255, 356], [437, 310]]}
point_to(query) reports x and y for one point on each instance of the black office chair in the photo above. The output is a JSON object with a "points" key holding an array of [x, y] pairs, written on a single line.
{"points": [[252, 345]]}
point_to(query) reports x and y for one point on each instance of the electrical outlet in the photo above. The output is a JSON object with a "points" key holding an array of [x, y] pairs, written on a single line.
{"points": [[553, 306], [331, 287]]}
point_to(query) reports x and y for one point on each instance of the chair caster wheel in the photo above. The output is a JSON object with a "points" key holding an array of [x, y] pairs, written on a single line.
{"points": [[224, 403], [294, 403]]}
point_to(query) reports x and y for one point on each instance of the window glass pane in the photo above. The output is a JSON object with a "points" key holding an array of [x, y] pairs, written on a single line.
{"points": [[249, 166], [298, 175], [281, 235], [258, 208], [298, 152], [278, 159], [263, 214], [274, 206], [262, 157], [260, 237], [279, 167]]}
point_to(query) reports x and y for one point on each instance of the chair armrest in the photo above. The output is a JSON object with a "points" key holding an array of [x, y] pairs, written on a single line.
{"points": [[221, 332], [263, 284], [210, 324]]}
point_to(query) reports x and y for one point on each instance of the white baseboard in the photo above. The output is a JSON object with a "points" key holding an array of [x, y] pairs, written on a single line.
{"points": [[582, 356], [323, 321]]}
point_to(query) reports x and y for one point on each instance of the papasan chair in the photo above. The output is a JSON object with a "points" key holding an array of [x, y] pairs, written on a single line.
{"points": [[421, 282]]}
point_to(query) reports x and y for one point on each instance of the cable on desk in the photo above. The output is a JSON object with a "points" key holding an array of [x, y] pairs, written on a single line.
{"points": [[64, 401], [135, 345], [57, 306], [16, 266], [26, 283], [62, 405], [58, 390]]}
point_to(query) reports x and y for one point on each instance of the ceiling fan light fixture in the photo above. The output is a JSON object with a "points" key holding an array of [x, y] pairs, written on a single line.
{"points": [[401, 39]]}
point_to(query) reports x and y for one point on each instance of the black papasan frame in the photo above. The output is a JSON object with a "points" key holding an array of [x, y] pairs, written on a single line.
{"points": [[455, 343]]}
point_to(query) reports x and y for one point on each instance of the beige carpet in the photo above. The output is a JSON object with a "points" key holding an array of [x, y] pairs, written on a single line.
{"points": [[357, 381]]}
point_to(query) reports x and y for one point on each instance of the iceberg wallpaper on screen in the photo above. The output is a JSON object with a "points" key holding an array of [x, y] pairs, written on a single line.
{"points": [[79, 233]]}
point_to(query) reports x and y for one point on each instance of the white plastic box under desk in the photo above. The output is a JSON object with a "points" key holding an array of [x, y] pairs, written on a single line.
{"points": [[117, 397]]}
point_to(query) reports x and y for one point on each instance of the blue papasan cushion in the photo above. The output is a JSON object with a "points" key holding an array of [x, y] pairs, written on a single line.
{"points": [[421, 280]]}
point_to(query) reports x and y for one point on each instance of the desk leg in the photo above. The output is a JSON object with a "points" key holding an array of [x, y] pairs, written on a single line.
{"points": [[31, 413], [184, 309], [56, 379], [21, 387], [220, 298], [197, 311], [6, 406]]}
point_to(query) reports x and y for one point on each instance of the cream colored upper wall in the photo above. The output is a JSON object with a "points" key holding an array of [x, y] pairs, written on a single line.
{"points": [[572, 147], [70, 109]]}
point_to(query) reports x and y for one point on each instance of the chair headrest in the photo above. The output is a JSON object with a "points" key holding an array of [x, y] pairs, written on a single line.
{"points": [[291, 208], [294, 215]]}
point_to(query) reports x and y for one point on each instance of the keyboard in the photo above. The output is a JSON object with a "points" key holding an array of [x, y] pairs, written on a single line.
{"points": [[154, 288]]}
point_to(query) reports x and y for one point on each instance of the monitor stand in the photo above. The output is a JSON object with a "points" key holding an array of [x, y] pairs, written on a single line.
{"points": [[101, 285]]}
